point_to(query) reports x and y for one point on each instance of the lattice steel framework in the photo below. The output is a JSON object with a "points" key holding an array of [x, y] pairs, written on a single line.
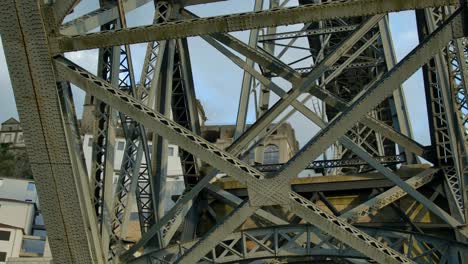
{"points": [[346, 81]]}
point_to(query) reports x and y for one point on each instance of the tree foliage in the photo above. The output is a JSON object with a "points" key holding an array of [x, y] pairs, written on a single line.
{"points": [[14, 163]]}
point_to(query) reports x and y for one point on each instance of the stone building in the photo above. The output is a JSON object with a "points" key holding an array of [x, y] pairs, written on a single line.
{"points": [[279, 147], [12, 133]]}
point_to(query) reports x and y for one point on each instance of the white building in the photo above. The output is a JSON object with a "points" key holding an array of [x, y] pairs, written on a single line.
{"points": [[174, 169], [11, 238], [18, 189], [19, 241]]}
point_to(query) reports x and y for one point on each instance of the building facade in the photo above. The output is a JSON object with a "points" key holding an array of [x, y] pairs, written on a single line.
{"points": [[278, 148], [23, 238], [12, 133]]}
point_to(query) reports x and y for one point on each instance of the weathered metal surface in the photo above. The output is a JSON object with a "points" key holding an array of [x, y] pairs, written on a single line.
{"points": [[164, 102]]}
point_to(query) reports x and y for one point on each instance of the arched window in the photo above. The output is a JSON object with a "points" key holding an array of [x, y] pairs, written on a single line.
{"points": [[271, 154]]}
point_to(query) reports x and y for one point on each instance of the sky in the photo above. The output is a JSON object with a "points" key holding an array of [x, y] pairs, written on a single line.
{"points": [[218, 81]]}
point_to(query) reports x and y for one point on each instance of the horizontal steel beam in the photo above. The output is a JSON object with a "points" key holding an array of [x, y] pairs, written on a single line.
{"points": [[61, 8], [289, 74], [262, 191], [98, 18], [368, 100], [216, 234], [238, 22], [343, 231], [279, 250]]}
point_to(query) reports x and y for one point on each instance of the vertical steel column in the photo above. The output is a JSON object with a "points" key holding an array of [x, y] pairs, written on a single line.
{"points": [[401, 120], [441, 111], [25, 26], [264, 98], [136, 148], [185, 113], [102, 163], [247, 81], [367, 67]]}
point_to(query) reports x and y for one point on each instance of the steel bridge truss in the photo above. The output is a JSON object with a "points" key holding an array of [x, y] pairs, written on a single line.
{"points": [[347, 71]]}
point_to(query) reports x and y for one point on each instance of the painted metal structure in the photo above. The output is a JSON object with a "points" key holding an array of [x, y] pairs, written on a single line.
{"points": [[351, 76]]}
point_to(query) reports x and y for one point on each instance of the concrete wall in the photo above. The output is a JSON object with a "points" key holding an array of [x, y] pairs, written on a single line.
{"points": [[18, 214], [12, 247]]}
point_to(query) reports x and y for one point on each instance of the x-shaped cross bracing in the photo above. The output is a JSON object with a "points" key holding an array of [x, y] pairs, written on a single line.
{"points": [[272, 190]]}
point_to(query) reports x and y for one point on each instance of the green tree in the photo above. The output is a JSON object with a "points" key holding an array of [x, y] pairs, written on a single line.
{"points": [[7, 161], [14, 164]]}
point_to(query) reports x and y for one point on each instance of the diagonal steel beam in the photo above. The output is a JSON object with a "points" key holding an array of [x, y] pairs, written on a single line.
{"points": [[268, 117], [247, 82], [62, 8], [231, 199], [367, 101], [276, 66], [217, 233], [373, 123], [261, 189], [98, 17], [385, 198], [375, 94], [34, 84], [343, 231], [244, 21]]}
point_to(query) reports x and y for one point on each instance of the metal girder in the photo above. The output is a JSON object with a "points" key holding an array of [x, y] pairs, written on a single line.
{"points": [[289, 98], [385, 129], [301, 241], [289, 74], [102, 158], [63, 8], [247, 81], [34, 84], [343, 231], [336, 163], [372, 96], [185, 113], [317, 120], [245, 21], [442, 113], [73, 137], [400, 106], [393, 194], [305, 33], [98, 17], [278, 242], [146, 199], [262, 191], [217, 233], [368, 100]]}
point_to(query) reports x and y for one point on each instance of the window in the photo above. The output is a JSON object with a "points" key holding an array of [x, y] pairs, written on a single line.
{"points": [[271, 155], [31, 186], [170, 151], [7, 138], [20, 139], [120, 145], [4, 235], [2, 256], [90, 142]]}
